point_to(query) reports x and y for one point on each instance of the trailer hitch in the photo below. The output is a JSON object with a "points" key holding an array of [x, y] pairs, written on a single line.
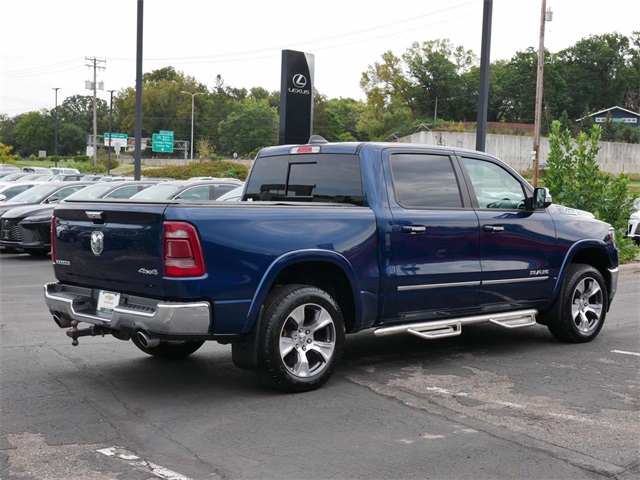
{"points": [[74, 333]]}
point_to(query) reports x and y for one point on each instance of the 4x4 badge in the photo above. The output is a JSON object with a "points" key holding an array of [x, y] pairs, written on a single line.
{"points": [[97, 242]]}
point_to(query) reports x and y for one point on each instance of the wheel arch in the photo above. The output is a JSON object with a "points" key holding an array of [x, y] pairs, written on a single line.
{"points": [[327, 270], [588, 252]]}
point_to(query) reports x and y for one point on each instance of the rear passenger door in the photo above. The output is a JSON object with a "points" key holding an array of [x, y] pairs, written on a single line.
{"points": [[518, 251], [434, 240]]}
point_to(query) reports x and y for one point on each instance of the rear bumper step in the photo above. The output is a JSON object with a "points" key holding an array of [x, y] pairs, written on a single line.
{"points": [[134, 313], [453, 327]]}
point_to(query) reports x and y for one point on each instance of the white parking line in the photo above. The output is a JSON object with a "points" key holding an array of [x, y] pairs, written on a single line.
{"points": [[626, 353], [136, 461]]}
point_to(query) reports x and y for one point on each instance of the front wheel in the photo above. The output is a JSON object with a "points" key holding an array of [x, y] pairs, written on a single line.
{"points": [[169, 348], [302, 337], [582, 306]]}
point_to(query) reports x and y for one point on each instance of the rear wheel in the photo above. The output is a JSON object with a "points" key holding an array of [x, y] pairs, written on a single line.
{"points": [[169, 348], [302, 337], [582, 307]]}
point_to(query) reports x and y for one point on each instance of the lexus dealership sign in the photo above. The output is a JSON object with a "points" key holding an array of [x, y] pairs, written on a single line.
{"points": [[296, 97]]}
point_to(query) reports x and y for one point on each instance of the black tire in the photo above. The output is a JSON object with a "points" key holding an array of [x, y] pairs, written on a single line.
{"points": [[169, 349], [301, 339], [582, 306]]}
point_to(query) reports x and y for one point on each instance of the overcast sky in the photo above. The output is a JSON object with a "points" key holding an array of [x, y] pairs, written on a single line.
{"points": [[44, 42]]}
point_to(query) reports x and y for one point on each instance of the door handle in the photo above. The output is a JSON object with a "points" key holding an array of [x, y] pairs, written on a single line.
{"points": [[414, 229], [493, 228]]}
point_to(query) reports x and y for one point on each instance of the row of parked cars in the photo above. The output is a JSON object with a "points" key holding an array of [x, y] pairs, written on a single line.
{"points": [[25, 216]]}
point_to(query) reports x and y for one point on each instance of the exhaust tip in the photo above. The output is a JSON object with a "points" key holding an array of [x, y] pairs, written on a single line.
{"points": [[146, 340], [61, 321]]}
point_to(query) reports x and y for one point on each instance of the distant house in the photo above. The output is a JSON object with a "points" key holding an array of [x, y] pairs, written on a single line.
{"points": [[617, 114]]}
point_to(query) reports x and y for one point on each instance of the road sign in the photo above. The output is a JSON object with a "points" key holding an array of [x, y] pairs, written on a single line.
{"points": [[117, 139], [163, 141]]}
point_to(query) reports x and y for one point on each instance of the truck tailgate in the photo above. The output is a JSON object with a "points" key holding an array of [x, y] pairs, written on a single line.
{"points": [[110, 245]]}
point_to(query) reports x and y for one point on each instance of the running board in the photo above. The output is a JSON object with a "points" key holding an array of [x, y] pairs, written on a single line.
{"points": [[453, 327]]}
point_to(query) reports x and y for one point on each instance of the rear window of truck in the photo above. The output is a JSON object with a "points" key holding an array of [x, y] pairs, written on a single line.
{"points": [[333, 178]]}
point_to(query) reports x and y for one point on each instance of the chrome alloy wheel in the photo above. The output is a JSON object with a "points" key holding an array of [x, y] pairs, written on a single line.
{"points": [[307, 340], [587, 305]]}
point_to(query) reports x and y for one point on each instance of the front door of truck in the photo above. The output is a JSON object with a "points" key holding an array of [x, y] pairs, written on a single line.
{"points": [[518, 253], [434, 238]]}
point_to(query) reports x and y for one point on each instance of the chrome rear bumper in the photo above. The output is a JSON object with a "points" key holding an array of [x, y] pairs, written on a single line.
{"points": [[132, 314]]}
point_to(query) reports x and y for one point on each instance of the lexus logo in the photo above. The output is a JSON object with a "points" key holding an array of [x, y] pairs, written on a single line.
{"points": [[97, 242], [299, 80]]}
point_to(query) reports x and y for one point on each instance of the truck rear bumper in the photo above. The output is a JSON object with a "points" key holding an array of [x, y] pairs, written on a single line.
{"points": [[166, 319]]}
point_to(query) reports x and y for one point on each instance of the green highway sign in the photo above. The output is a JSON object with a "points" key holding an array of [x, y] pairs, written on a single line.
{"points": [[162, 142], [118, 140], [118, 136]]}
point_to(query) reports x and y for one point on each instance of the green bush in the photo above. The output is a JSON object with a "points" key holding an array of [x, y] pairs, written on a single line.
{"points": [[202, 169], [575, 180]]}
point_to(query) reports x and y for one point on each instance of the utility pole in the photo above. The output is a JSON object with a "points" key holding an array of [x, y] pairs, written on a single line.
{"points": [[110, 132], [56, 128], [545, 15], [95, 63]]}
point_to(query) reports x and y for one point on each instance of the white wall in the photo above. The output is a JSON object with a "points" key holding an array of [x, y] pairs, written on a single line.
{"points": [[516, 150]]}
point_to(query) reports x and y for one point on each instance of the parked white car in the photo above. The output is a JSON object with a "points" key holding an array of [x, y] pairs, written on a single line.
{"points": [[64, 171], [633, 230]]}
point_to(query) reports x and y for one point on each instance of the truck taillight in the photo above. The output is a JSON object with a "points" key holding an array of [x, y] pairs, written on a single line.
{"points": [[182, 250], [53, 239]]}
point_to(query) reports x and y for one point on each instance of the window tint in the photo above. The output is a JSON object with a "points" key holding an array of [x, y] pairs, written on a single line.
{"points": [[158, 192], [219, 190], [123, 192], [200, 192], [426, 181], [90, 193], [65, 192], [321, 177], [495, 187]]}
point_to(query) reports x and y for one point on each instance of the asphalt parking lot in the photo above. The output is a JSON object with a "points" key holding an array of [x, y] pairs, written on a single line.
{"points": [[491, 403]]}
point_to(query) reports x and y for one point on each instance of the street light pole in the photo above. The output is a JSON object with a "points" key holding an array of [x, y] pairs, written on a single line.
{"points": [[110, 132], [193, 96], [56, 128]]}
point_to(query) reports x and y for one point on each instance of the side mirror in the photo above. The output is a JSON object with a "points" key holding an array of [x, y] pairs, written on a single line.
{"points": [[52, 200], [541, 199], [3, 197]]}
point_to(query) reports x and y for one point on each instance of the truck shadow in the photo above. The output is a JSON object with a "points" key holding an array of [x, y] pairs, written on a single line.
{"points": [[365, 348], [211, 373]]}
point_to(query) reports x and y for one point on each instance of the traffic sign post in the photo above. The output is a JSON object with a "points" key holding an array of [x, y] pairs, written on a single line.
{"points": [[162, 142]]}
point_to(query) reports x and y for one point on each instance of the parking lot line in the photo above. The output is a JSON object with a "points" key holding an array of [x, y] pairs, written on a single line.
{"points": [[626, 353]]}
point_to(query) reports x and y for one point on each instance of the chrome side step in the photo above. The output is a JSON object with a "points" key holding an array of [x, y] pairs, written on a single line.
{"points": [[453, 327]]}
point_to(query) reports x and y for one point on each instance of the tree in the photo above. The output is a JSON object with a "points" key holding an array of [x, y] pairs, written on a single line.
{"points": [[72, 139], [164, 106], [252, 125], [34, 131], [436, 67], [7, 129], [78, 110], [599, 71], [343, 115]]}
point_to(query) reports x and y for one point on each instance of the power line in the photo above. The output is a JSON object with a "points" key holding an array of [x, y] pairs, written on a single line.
{"points": [[52, 68]]}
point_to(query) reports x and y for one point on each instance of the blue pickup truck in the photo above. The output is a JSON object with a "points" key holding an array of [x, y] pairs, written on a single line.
{"points": [[331, 239]]}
